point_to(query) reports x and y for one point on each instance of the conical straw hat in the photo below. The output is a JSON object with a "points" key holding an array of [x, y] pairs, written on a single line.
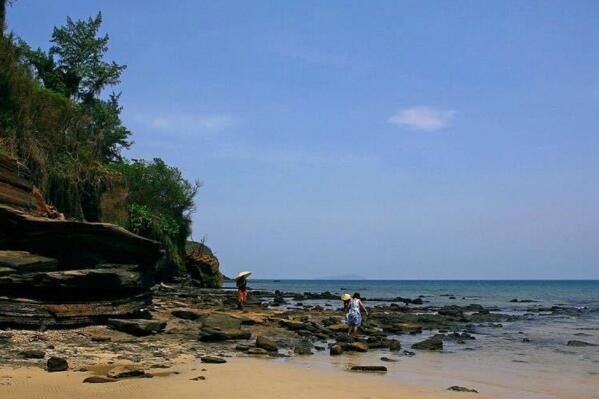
{"points": [[242, 274]]}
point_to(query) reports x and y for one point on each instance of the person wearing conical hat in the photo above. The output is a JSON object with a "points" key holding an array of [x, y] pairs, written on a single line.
{"points": [[241, 281]]}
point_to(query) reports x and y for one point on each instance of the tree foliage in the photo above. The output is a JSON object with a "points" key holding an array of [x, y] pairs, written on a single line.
{"points": [[160, 203]]}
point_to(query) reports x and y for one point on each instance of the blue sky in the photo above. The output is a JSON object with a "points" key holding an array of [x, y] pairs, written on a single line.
{"points": [[389, 139]]}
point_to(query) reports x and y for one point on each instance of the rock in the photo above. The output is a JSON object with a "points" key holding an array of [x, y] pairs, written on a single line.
{"points": [[356, 347], [378, 369], [33, 354], [198, 378], [451, 310], [293, 325], [434, 343], [257, 351], [461, 389], [213, 360], [242, 347], [394, 345], [339, 327], [187, 314], [23, 261], [100, 338], [98, 379], [93, 282], [137, 327], [410, 328], [336, 350], [57, 364], [75, 243], [387, 359], [125, 371], [267, 344], [303, 347], [575, 342], [222, 321], [215, 335], [203, 267]]}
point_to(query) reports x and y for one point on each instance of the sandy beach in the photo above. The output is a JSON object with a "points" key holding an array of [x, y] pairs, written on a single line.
{"points": [[248, 378]]}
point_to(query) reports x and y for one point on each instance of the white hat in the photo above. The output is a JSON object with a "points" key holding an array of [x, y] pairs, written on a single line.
{"points": [[242, 274]]}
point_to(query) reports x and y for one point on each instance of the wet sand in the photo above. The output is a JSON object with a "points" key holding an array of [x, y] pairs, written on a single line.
{"points": [[239, 378]]}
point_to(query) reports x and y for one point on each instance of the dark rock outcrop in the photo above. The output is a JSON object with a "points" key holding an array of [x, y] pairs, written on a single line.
{"points": [[203, 266]]}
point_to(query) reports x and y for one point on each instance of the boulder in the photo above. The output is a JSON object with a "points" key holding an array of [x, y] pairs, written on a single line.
{"points": [[257, 351], [339, 327], [137, 327], [356, 347], [213, 360], [217, 335], [33, 354], [433, 343], [336, 350], [57, 364], [409, 328], [303, 347], [293, 325], [221, 321], [266, 344], [187, 314], [125, 371]]}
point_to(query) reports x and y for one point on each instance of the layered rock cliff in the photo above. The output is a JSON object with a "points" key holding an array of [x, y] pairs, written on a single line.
{"points": [[56, 272]]}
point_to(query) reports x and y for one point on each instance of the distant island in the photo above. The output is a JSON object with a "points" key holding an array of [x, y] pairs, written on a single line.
{"points": [[342, 277]]}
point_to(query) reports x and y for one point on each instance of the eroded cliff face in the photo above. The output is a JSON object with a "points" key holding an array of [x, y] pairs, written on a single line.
{"points": [[203, 267], [56, 272]]}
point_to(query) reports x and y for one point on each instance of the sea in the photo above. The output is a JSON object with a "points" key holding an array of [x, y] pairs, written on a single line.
{"points": [[527, 359]]}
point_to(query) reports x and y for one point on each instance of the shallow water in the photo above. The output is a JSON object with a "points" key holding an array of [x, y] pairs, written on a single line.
{"points": [[498, 361]]}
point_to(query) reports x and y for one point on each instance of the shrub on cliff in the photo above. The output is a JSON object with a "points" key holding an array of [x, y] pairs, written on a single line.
{"points": [[160, 203]]}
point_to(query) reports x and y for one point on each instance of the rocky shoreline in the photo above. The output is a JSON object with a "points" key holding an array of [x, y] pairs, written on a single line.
{"points": [[183, 319]]}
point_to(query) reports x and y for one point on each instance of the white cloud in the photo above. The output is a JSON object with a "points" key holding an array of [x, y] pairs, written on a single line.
{"points": [[422, 118]]}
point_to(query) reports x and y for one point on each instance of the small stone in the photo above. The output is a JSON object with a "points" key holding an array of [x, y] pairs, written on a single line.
{"points": [[579, 343], [198, 378], [378, 369], [57, 364], [387, 359], [461, 389], [98, 379]]}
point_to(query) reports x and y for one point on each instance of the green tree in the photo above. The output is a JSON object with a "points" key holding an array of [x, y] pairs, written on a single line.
{"points": [[80, 51]]}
